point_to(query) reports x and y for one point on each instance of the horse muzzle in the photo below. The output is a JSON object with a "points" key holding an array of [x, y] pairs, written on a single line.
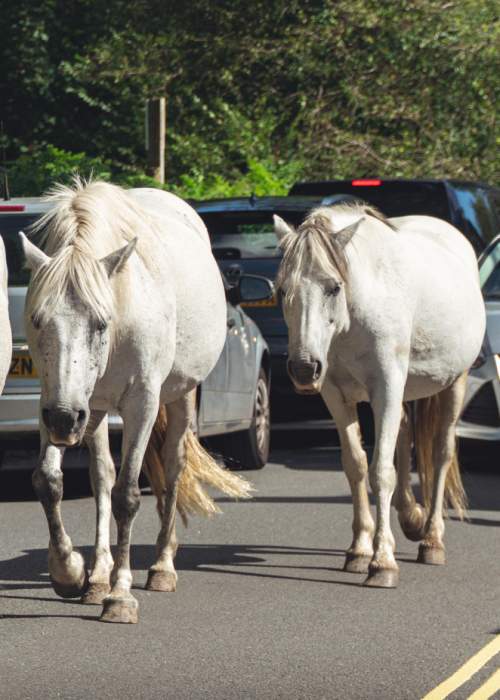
{"points": [[306, 376], [66, 427]]}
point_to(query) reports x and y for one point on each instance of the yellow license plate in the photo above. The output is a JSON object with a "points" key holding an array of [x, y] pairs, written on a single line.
{"points": [[22, 367], [266, 302]]}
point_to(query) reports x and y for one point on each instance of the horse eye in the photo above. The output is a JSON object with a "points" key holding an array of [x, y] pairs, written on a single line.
{"points": [[35, 322], [101, 326], [333, 291]]}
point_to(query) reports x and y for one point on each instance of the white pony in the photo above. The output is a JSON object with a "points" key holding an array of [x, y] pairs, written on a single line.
{"points": [[5, 331], [385, 311], [125, 311]]}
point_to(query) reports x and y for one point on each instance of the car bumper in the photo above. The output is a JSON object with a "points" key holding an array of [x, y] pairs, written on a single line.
{"points": [[480, 419], [19, 415]]}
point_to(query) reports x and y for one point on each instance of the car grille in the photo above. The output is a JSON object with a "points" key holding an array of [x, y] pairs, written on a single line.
{"points": [[483, 409]]}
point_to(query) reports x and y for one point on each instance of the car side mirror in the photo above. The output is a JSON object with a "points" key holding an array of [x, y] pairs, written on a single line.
{"points": [[251, 288]]}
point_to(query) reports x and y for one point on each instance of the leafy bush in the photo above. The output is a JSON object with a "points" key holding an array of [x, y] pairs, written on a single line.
{"points": [[34, 173]]}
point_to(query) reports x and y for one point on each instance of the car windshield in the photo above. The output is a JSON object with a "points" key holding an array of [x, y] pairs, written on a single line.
{"points": [[10, 225], [489, 274], [246, 234]]}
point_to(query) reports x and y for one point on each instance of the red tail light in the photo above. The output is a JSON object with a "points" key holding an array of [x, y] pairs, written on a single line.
{"points": [[12, 207], [366, 183]]}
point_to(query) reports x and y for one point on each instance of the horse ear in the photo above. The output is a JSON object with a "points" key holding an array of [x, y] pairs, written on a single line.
{"points": [[35, 257], [344, 235], [281, 228], [114, 262]]}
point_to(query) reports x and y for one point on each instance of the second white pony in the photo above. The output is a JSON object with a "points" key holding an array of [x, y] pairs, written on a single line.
{"points": [[385, 311]]}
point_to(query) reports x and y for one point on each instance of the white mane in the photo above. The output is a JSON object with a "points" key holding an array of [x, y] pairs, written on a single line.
{"points": [[88, 221], [314, 244]]}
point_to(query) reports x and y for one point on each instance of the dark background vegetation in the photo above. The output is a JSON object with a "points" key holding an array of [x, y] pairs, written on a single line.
{"points": [[259, 93]]}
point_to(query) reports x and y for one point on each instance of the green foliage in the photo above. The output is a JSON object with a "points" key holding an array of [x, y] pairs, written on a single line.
{"points": [[258, 94], [34, 173]]}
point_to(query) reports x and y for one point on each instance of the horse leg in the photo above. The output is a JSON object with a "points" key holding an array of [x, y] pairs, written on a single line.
{"points": [[431, 550], [162, 575], [139, 415], [66, 566], [102, 478], [411, 515], [387, 401], [355, 465]]}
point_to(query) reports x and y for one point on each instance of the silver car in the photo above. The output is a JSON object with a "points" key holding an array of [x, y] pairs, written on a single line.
{"points": [[233, 402], [480, 418]]}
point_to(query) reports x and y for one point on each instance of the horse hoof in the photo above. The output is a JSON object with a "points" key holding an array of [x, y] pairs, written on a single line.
{"points": [[71, 590], [164, 581], [382, 578], [357, 563], [414, 531], [95, 593], [431, 555], [120, 610]]}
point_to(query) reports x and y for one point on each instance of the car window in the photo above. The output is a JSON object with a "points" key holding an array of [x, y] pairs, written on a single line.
{"points": [[489, 273], [10, 225], [243, 235], [396, 198], [477, 211]]}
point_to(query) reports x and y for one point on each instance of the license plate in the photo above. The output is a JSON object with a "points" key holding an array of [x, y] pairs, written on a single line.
{"points": [[22, 367], [266, 302]]}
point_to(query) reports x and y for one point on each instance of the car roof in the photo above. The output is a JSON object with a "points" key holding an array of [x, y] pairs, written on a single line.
{"points": [[254, 203], [385, 180], [24, 205]]}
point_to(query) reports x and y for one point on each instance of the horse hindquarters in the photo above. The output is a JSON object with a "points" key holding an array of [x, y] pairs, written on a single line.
{"points": [[438, 466]]}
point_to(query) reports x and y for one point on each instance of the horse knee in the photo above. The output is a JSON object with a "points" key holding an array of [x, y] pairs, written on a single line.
{"points": [[125, 501], [48, 487], [382, 477]]}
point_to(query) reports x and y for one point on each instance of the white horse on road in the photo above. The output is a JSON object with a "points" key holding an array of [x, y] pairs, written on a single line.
{"points": [[125, 312], [385, 311]]}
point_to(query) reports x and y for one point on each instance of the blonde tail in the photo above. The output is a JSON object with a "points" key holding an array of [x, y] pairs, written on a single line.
{"points": [[200, 469], [428, 418]]}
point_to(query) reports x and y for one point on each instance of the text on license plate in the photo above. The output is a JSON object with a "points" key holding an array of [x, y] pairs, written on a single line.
{"points": [[22, 367], [266, 302]]}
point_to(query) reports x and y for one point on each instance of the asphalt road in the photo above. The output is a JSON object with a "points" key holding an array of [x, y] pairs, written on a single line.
{"points": [[262, 610]]}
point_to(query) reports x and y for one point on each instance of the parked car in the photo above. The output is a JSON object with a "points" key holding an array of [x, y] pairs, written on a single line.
{"points": [[480, 418], [473, 207], [233, 402], [243, 241]]}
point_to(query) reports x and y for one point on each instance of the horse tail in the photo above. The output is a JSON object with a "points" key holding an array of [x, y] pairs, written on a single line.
{"points": [[200, 468], [427, 422]]}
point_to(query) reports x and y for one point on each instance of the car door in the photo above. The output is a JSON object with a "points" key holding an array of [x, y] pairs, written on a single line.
{"points": [[241, 371]]}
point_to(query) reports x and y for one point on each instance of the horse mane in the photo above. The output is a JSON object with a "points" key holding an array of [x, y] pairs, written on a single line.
{"points": [[87, 221], [314, 244]]}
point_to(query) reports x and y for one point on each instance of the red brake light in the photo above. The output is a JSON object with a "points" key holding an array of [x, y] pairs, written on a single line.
{"points": [[366, 183], [12, 207]]}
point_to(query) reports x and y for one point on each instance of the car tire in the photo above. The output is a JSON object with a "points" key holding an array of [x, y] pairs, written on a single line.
{"points": [[249, 449]]}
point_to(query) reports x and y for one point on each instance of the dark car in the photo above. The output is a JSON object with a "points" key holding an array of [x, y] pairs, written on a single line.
{"points": [[473, 207], [243, 241]]}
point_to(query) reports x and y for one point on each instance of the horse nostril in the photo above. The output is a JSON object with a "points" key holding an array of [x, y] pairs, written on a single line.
{"points": [[46, 416], [317, 370], [81, 416]]}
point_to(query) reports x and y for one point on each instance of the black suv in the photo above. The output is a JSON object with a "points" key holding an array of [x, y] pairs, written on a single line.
{"points": [[473, 207]]}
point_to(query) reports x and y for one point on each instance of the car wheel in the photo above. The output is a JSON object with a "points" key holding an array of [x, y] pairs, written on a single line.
{"points": [[250, 448]]}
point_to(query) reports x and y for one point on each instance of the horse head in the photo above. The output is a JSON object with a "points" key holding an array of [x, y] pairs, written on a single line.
{"points": [[313, 280]]}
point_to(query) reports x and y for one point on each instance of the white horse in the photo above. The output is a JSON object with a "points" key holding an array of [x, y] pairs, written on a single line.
{"points": [[385, 311], [126, 312], [5, 331]]}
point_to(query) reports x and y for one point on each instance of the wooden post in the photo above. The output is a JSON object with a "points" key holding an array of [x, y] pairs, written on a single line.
{"points": [[155, 137]]}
